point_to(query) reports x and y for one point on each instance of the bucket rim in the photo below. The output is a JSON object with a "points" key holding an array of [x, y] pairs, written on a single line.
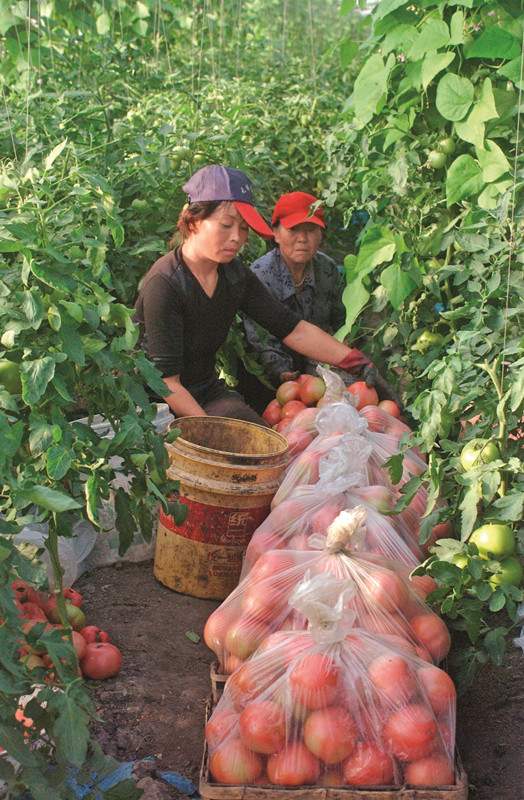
{"points": [[241, 423]]}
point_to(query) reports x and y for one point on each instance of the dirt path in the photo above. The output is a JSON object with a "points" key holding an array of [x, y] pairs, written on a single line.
{"points": [[155, 708]]}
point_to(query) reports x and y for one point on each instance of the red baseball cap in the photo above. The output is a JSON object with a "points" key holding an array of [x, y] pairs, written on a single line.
{"points": [[293, 208], [225, 183]]}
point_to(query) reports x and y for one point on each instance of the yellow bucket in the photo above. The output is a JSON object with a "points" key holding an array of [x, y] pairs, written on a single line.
{"points": [[229, 471]]}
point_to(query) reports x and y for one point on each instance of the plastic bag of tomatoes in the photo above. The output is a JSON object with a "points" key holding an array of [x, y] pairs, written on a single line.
{"points": [[334, 705], [311, 509], [388, 601]]}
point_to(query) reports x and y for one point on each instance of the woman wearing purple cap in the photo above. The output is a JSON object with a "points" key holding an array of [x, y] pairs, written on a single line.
{"points": [[190, 297]]}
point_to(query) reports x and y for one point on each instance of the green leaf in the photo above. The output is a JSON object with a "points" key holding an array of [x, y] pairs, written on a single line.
{"points": [[454, 96], [456, 28], [124, 520], [433, 64], [47, 498], [59, 461], [468, 507], [193, 637], [512, 72], [103, 23], [346, 6], [53, 155], [387, 7], [35, 378], [371, 86], [123, 790], [71, 730], [463, 179], [33, 308], [493, 161], [508, 508], [397, 284], [495, 643], [433, 35], [472, 128], [355, 296], [399, 38], [378, 245], [494, 43], [52, 278]]}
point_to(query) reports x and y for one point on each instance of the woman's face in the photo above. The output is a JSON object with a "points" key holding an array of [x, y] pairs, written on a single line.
{"points": [[298, 244], [220, 236]]}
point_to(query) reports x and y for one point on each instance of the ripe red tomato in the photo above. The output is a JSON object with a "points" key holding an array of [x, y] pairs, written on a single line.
{"points": [[391, 674], [24, 593], [281, 426], [263, 726], [294, 765], [272, 414], [220, 725], [367, 394], [292, 408], [387, 590], [433, 634], [369, 765], [411, 732], [314, 680], [331, 734], [390, 408], [73, 596], [439, 688], [312, 390], [31, 610], [304, 377], [234, 763], [92, 633], [101, 660], [430, 771], [289, 390]]}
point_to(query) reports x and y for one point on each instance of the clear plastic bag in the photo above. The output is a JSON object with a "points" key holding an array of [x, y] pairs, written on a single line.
{"points": [[333, 705], [311, 509], [388, 601]]}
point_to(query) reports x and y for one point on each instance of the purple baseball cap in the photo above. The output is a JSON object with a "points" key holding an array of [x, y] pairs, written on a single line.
{"points": [[225, 183]]}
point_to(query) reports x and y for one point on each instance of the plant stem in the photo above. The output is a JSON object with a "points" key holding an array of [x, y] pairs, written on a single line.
{"points": [[501, 416], [58, 571]]}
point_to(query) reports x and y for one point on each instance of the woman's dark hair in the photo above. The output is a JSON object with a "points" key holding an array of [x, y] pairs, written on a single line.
{"points": [[189, 215]]}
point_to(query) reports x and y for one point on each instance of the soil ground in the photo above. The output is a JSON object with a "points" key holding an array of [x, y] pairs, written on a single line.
{"points": [[155, 708]]}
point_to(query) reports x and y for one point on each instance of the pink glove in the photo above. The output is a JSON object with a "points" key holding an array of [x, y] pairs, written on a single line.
{"points": [[354, 362]]}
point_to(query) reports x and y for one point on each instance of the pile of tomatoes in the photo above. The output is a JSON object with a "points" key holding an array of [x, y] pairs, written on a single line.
{"points": [[98, 659], [360, 714], [308, 391]]}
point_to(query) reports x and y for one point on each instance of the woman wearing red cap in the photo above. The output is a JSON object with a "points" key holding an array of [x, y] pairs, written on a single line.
{"points": [[190, 296], [306, 280]]}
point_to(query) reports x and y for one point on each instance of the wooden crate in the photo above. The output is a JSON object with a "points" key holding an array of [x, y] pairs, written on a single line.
{"points": [[216, 791], [218, 681]]}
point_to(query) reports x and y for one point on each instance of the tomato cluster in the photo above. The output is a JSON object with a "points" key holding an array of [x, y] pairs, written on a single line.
{"points": [[291, 398], [363, 714], [98, 658]]}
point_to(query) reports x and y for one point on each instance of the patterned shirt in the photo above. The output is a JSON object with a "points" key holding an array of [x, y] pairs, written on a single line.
{"points": [[319, 302]]}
